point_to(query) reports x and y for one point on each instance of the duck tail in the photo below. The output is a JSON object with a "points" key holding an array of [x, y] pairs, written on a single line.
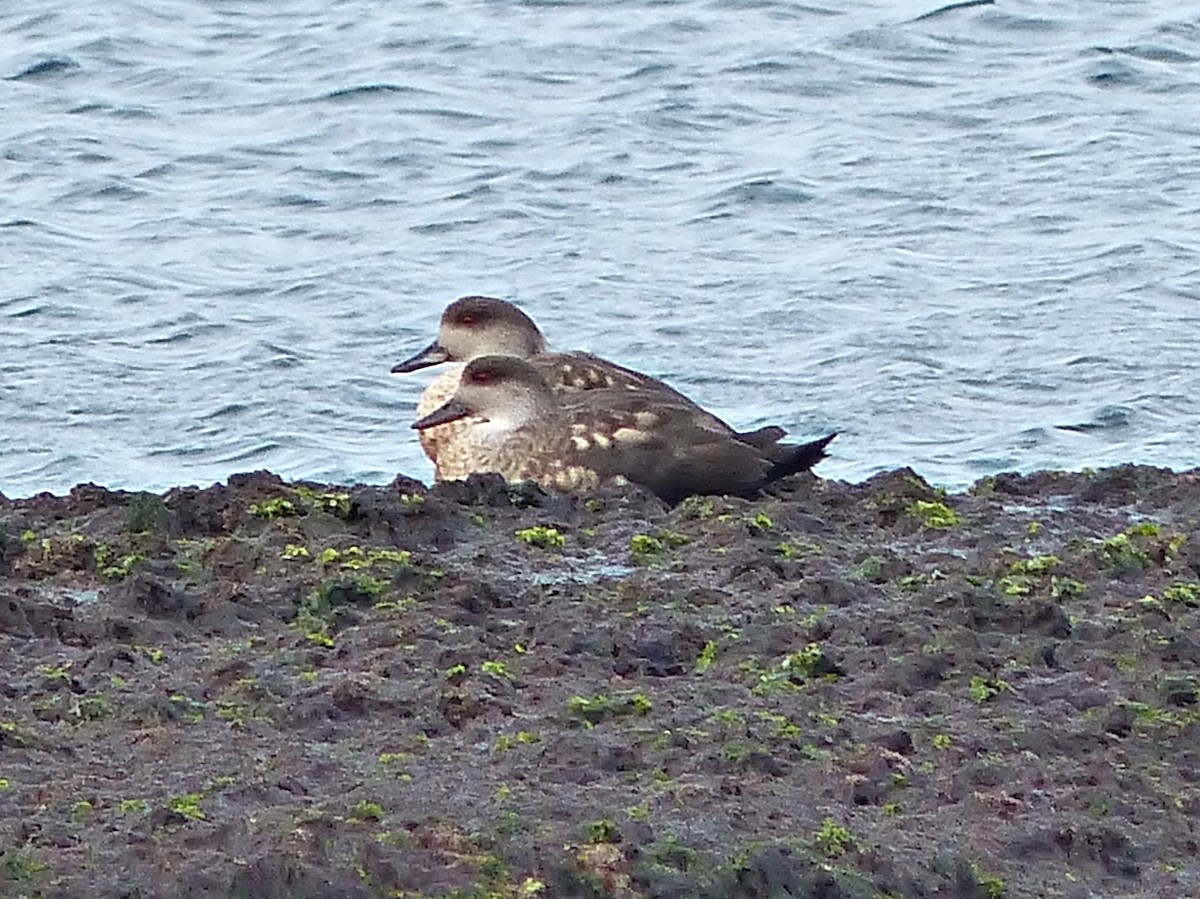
{"points": [[788, 459], [763, 438]]}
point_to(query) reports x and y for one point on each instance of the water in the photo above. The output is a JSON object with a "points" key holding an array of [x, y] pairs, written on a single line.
{"points": [[970, 243]]}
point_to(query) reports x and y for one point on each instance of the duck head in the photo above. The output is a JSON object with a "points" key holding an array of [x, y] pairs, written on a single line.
{"points": [[503, 391], [478, 326]]}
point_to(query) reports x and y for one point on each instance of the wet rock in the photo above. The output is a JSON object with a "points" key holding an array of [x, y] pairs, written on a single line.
{"points": [[480, 598], [1038, 484], [836, 690], [10, 548], [156, 597], [1180, 648], [660, 652], [899, 741], [13, 619], [1092, 845], [490, 490], [1123, 484], [197, 513], [86, 498], [776, 871]]}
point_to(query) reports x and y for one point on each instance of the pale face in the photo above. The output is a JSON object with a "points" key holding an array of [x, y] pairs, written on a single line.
{"points": [[483, 326], [503, 392]]}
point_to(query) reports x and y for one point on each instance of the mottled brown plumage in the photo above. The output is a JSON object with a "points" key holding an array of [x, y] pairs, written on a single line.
{"points": [[478, 326], [521, 428]]}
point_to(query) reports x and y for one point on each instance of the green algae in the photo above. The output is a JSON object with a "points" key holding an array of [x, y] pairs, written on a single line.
{"points": [[647, 548], [833, 839], [601, 831], [187, 805], [982, 688], [272, 509], [594, 709], [542, 537], [760, 523], [365, 810], [792, 671], [933, 514], [1183, 592], [1120, 554], [146, 513], [869, 570]]}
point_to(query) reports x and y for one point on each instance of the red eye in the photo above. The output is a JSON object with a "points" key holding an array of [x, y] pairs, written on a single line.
{"points": [[482, 377], [467, 319]]}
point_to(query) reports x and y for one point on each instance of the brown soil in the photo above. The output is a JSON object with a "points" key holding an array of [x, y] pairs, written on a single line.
{"points": [[272, 690]]}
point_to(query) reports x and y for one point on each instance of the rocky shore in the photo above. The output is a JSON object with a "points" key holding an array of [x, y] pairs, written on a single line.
{"points": [[267, 689]]}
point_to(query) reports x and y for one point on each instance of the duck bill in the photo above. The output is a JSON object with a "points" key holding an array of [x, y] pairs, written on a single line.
{"points": [[451, 410], [434, 354]]}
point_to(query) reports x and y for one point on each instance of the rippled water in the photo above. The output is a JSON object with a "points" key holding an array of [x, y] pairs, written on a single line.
{"points": [[969, 242]]}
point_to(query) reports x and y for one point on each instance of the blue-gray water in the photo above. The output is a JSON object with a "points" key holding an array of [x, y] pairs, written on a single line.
{"points": [[970, 243]]}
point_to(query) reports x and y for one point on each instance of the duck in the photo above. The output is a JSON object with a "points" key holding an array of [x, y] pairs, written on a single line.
{"points": [[474, 326], [520, 427]]}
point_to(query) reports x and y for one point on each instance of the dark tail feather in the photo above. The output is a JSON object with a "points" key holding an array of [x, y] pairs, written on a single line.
{"points": [[763, 438], [787, 459]]}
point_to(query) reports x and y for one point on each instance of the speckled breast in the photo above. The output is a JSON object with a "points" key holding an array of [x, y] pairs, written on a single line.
{"points": [[446, 445], [557, 473]]}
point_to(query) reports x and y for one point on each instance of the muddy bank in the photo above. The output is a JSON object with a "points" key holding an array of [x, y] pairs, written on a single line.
{"points": [[299, 690]]}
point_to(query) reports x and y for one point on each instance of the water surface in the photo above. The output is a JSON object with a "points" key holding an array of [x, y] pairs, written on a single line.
{"points": [[969, 242]]}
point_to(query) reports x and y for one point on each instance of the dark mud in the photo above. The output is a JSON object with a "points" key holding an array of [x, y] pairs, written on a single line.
{"points": [[292, 690]]}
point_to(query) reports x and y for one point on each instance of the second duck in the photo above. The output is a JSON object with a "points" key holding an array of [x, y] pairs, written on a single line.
{"points": [[520, 428]]}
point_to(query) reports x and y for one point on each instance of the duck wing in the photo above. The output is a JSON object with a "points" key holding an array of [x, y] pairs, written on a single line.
{"points": [[585, 371], [580, 371], [662, 447]]}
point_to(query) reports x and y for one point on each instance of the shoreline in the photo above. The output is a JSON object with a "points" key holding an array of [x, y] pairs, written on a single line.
{"points": [[868, 689], [426, 482]]}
